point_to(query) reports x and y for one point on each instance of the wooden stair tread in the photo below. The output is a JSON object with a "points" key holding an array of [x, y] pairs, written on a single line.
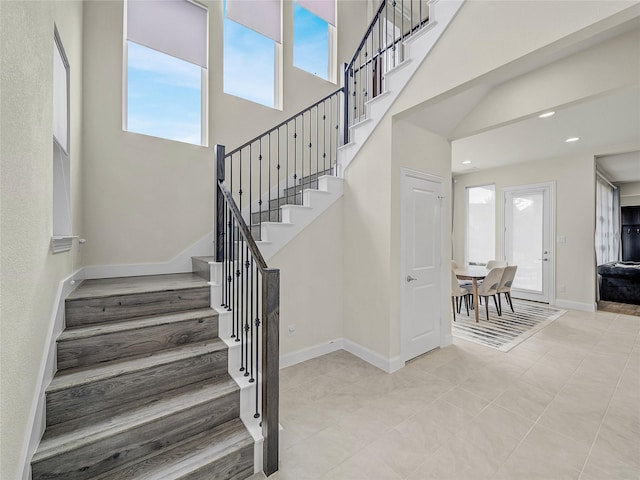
{"points": [[52, 445], [108, 287], [85, 375], [178, 460], [75, 333]]}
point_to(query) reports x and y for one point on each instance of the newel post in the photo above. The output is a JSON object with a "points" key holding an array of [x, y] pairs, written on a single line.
{"points": [[220, 227], [345, 104], [270, 367]]}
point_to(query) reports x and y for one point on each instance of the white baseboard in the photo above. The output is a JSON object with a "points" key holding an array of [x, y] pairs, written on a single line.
{"points": [[446, 340], [181, 263], [585, 307], [46, 373], [389, 365], [308, 353]]}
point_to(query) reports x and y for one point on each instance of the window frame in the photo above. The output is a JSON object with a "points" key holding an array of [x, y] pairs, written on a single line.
{"points": [[332, 54], [277, 62], [204, 83], [61, 223]]}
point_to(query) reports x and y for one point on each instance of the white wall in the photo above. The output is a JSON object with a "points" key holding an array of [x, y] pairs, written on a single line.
{"points": [[629, 194], [574, 217], [311, 283], [147, 199], [30, 272]]}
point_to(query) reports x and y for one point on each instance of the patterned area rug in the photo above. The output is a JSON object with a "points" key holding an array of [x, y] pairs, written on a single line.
{"points": [[505, 332]]}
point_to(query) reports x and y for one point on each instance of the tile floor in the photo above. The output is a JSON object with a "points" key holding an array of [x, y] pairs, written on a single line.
{"points": [[564, 404]]}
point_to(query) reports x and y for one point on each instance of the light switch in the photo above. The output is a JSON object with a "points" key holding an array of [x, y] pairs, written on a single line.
{"points": [[562, 239]]}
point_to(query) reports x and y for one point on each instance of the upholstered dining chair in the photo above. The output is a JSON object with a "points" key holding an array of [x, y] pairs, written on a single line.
{"points": [[496, 263], [505, 285], [489, 288], [458, 294]]}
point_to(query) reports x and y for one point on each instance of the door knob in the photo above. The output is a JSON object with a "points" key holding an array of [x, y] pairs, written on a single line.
{"points": [[410, 278]]}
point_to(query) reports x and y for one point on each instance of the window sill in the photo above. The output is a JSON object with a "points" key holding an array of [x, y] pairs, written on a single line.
{"points": [[61, 244]]}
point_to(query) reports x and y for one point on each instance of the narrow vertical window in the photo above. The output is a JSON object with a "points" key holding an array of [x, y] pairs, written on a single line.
{"points": [[166, 67], [314, 37], [252, 50], [61, 222], [481, 224]]}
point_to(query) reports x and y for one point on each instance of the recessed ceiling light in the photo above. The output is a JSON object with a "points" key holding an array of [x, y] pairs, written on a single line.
{"points": [[572, 139], [546, 115], [466, 162]]}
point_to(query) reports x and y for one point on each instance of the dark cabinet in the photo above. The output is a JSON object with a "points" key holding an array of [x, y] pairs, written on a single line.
{"points": [[630, 234], [630, 215]]}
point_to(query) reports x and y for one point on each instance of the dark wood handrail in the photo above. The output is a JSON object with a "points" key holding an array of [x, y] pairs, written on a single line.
{"points": [[382, 6]]}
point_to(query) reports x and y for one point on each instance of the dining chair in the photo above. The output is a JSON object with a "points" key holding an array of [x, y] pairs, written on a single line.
{"points": [[489, 288], [505, 285], [496, 263], [458, 293]]}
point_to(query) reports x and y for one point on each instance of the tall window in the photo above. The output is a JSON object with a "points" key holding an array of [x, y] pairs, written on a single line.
{"points": [[481, 224], [607, 224], [313, 34], [166, 55], [252, 50], [61, 164]]}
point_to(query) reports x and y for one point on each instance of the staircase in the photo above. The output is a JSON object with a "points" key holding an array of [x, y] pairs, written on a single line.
{"points": [[142, 389], [282, 180]]}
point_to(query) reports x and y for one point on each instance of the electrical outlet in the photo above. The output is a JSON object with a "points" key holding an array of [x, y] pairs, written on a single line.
{"points": [[563, 289], [291, 329]]}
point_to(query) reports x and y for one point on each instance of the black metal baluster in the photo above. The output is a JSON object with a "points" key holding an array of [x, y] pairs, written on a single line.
{"points": [[310, 151], [234, 283], [251, 302], [302, 163], [229, 259], [269, 176], [246, 313], [237, 281], [257, 323], [295, 160], [317, 149], [223, 298], [411, 16], [324, 136], [278, 171], [240, 303], [286, 188], [260, 186]]}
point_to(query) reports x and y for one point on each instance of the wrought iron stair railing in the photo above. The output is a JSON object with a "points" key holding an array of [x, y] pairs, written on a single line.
{"points": [[273, 170]]}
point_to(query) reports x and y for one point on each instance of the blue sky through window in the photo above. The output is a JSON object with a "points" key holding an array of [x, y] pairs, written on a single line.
{"points": [[164, 95], [310, 42], [249, 64]]}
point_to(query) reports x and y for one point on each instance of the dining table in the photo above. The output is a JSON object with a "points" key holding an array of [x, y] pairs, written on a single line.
{"points": [[473, 273]]}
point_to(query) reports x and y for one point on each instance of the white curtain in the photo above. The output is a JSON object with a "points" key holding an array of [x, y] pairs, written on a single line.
{"points": [[607, 223]]}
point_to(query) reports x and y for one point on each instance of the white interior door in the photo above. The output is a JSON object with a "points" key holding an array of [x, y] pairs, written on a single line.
{"points": [[422, 263], [527, 240]]}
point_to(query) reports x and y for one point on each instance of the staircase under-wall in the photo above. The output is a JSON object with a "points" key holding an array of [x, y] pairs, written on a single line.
{"points": [[142, 389]]}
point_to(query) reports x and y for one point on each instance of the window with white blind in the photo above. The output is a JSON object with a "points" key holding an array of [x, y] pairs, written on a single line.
{"points": [[481, 224], [61, 221], [166, 59], [314, 37], [253, 50]]}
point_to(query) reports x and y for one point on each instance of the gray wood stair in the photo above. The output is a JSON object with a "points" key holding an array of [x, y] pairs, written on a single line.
{"points": [[105, 342], [142, 389]]}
